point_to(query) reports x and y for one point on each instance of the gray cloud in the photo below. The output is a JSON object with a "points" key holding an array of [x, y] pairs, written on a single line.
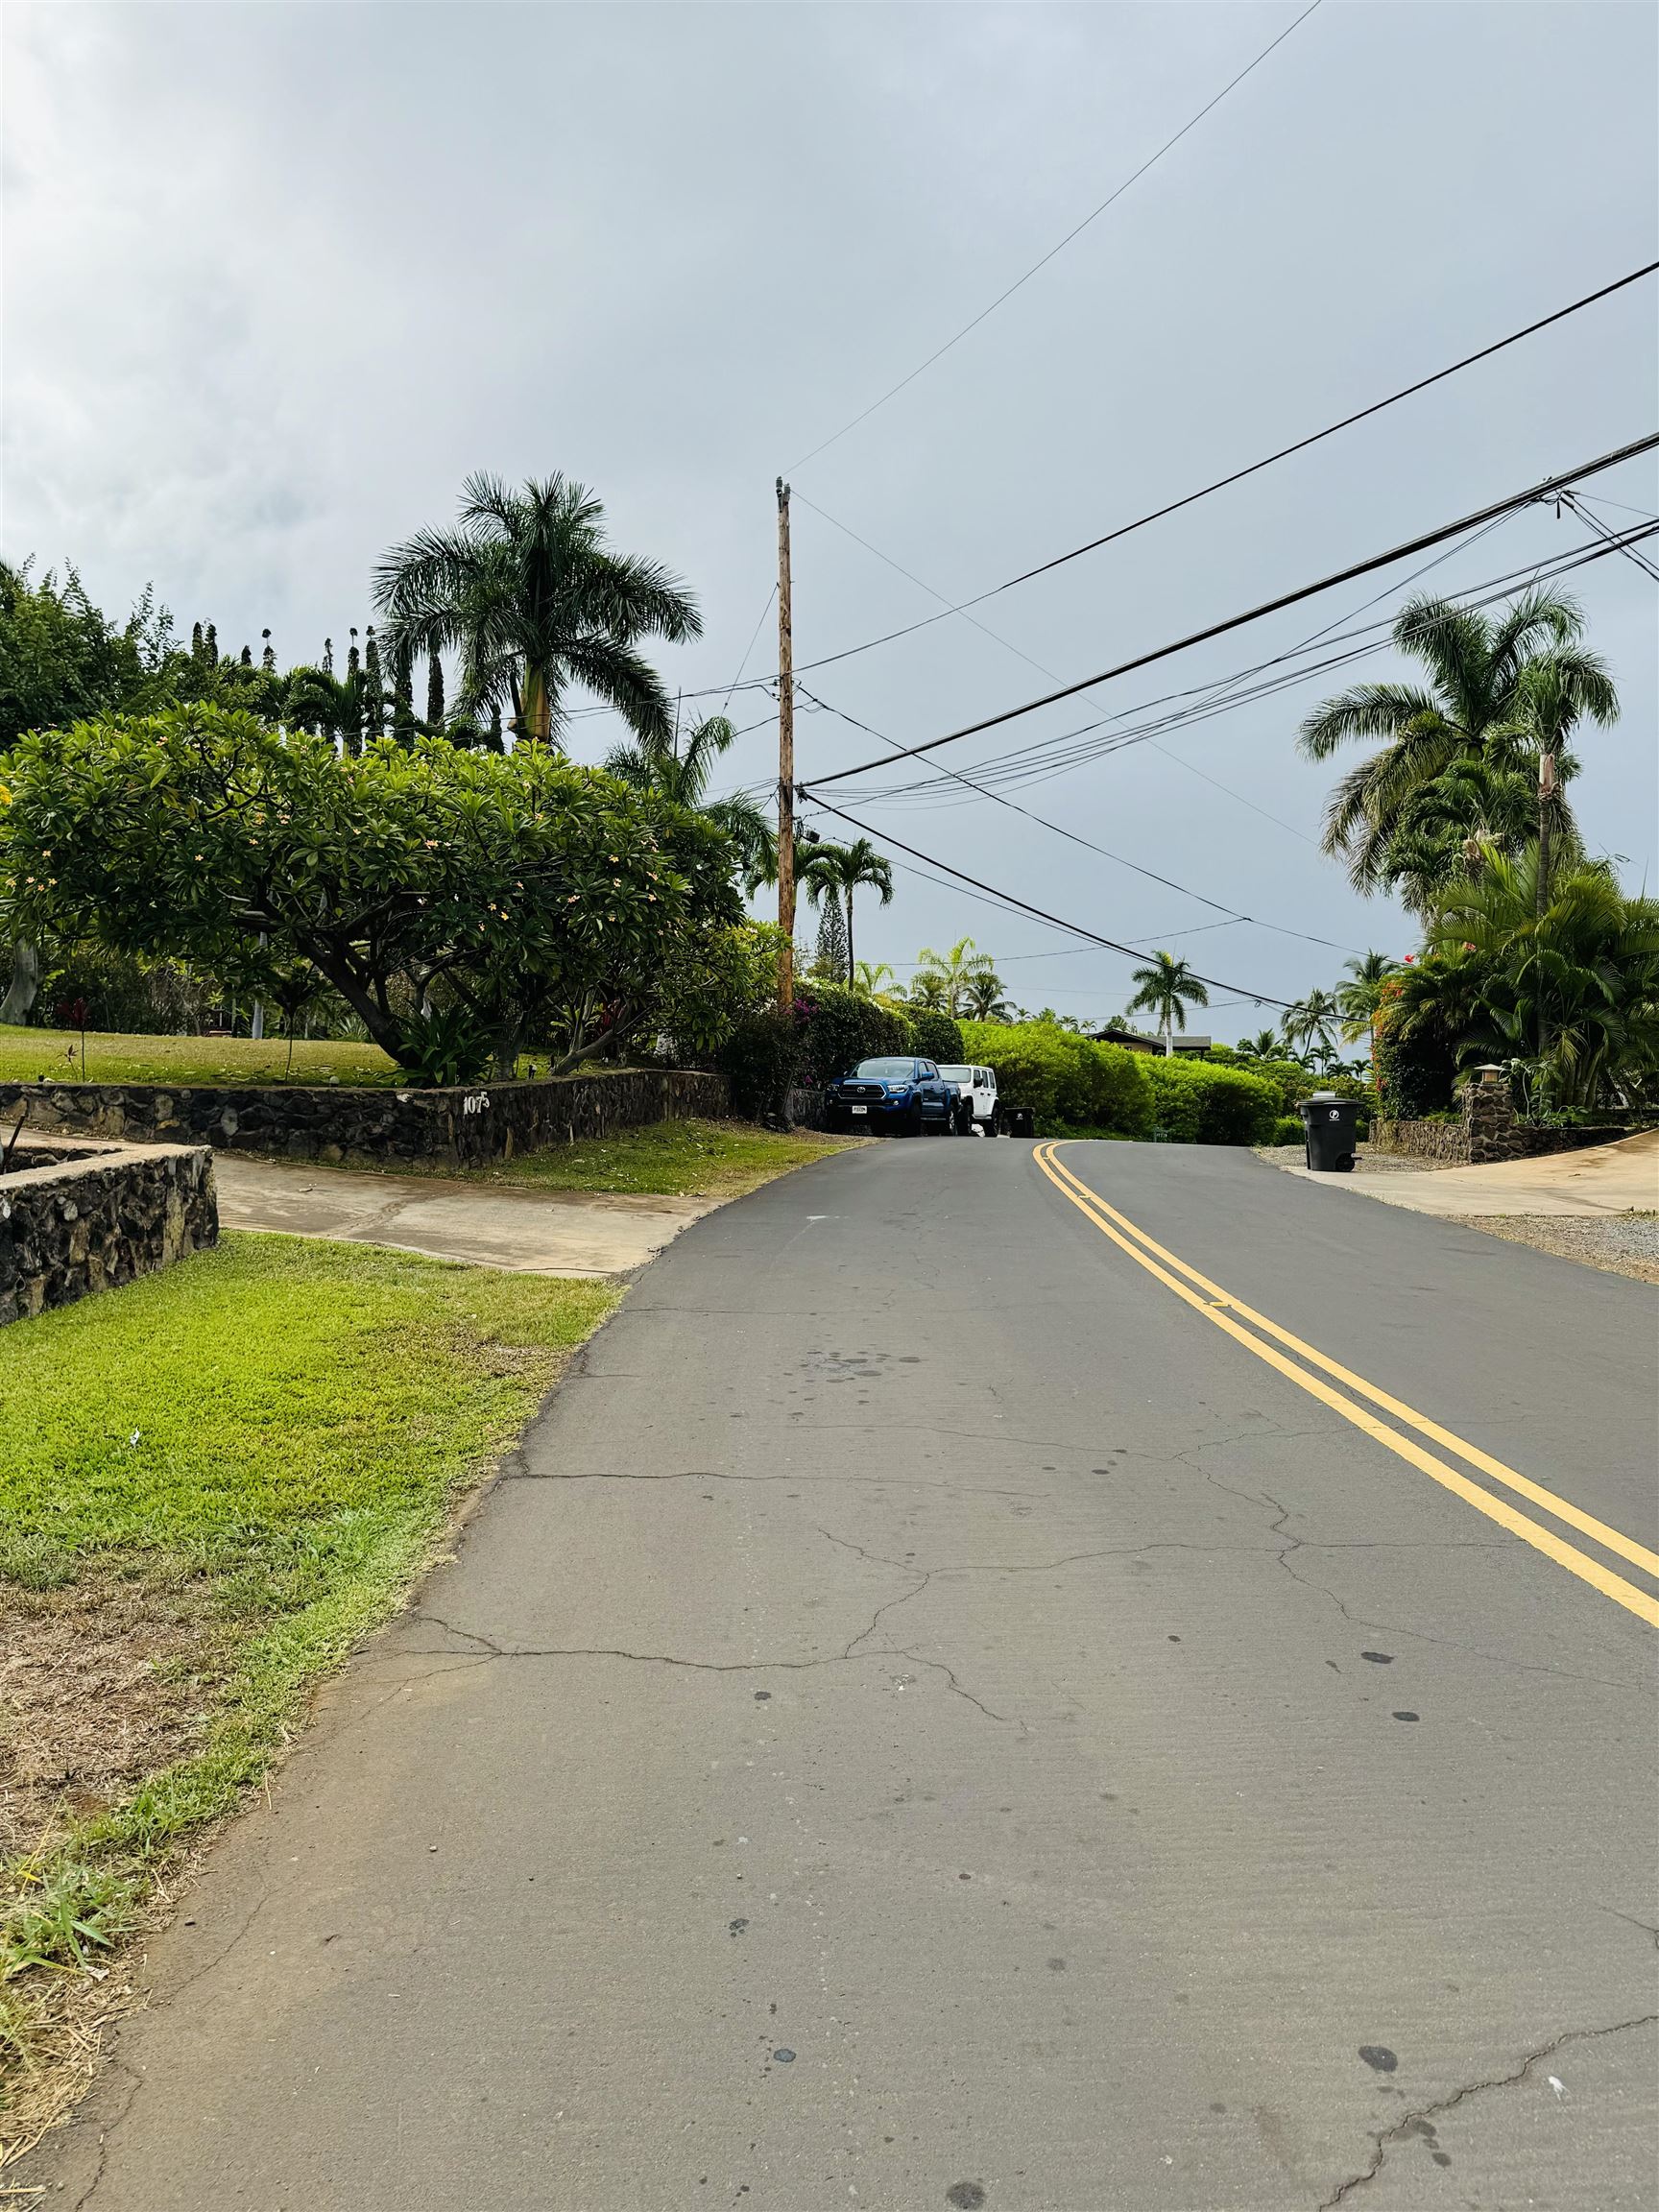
{"points": [[278, 277]]}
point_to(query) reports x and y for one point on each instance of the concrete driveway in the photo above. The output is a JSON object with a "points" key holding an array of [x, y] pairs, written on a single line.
{"points": [[531, 1232], [1603, 1179]]}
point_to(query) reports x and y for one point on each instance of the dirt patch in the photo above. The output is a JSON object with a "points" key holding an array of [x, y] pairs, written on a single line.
{"points": [[1618, 1243], [101, 1684], [1365, 1161]]}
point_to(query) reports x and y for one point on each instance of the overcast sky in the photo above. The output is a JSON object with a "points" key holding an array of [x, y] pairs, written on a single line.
{"points": [[277, 277]]}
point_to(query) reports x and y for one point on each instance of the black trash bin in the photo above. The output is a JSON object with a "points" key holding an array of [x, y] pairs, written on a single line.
{"points": [[1330, 1123], [1019, 1120]]}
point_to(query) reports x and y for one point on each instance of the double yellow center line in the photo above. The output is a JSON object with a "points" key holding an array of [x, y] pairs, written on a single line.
{"points": [[1265, 1337]]}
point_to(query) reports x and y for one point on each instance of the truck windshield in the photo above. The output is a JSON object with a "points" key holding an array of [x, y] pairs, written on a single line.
{"points": [[886, 1070]]}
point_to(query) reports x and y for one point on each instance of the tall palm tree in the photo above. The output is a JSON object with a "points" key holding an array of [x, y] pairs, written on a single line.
{"points": [[944, 979], [1473, 709], [1167, 989], [868, 977], [1310, 1022], [1358, 999], [531, 600], [679, 768], [838, 871], [1554, 694]]}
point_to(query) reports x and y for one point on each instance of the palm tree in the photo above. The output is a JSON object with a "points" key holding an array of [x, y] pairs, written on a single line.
{"points": [[531, 600], [1358, 999], [1579, 981], [679, 770], [984, 1000], [1309, 1024], [1167, 989], [1481, 697], [868, 977], [331, 705], [944, 979], [1265, 1045], [838, 871], [1554, 693]]}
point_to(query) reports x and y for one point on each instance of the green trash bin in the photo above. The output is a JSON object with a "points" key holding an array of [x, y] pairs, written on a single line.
{"points": [[1329, 1124]]}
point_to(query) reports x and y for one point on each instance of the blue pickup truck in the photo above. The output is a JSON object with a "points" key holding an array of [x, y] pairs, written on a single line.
{"points": [[902, 1095]]}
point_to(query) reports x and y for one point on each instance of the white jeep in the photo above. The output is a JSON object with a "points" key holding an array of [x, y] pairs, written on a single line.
{"points": [[976, 1098]]}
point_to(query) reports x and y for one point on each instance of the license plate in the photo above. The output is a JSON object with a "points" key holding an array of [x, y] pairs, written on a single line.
{"points": [[861, 1109]]}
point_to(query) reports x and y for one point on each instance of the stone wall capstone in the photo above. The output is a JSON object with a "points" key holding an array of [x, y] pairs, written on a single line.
{"points": [[77, 1219], [340, 1121]]}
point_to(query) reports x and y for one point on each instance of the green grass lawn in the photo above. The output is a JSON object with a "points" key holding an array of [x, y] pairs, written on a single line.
{"points": [[210, 1061], [212, 1482], [689, 1158]]}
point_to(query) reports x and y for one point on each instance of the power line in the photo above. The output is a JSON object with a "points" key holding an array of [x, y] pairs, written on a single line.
{"points": [[1215, 906], [1044, 761], [1550, 486], [749, 648], [1024, 906], [1075, 232], [1221, 483], [1007, 643], [1617, 543]]}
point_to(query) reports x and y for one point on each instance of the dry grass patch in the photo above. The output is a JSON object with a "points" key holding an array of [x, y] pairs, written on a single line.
{"points": [[212, 1484]]}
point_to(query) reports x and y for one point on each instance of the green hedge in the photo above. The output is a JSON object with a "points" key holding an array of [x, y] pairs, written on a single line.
{"points": [[1197, 1103], [838, 1028], [936, 1036], [831, 1030], [1289, 1129], [1068, 1082]]}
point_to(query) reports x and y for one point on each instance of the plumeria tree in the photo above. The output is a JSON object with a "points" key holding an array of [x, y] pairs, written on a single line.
{"points": [[460, 902]]}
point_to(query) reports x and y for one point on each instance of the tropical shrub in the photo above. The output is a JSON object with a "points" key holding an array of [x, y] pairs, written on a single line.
{"points": [[1288, 1130], [1070, 1083], [546, 899], [1416, 1046], [711, 984], [758, 1060], [1200, 1104], [838, 1028], [1569, 989], [936, 1035]]}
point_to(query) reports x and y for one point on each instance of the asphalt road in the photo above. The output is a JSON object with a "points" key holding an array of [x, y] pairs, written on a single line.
{"points": [[933, 1719]]}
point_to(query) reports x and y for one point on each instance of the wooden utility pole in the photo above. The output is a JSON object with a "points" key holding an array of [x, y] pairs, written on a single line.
{"points": [[785, 762]]}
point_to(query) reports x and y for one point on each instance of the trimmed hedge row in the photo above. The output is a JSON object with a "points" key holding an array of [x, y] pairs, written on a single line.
{"points": [[1198, 1103], [831, 1030], [1068, 1082]]}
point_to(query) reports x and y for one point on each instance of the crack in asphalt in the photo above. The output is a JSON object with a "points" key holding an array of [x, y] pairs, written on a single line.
{"points": [[135, 2083], [1406, 2125], [489, 1652], [1444, 1642]]}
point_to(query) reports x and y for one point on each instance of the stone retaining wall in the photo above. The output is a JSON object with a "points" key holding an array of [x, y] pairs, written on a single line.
{"points": [[1422, 1140], [75, 1218], [1486, 1131], [338, 1122]]}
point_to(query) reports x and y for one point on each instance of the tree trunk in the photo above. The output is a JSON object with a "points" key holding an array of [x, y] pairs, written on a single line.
{"points": [[1545, 794], [25, 982], [537, 708], [852, 963]]}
